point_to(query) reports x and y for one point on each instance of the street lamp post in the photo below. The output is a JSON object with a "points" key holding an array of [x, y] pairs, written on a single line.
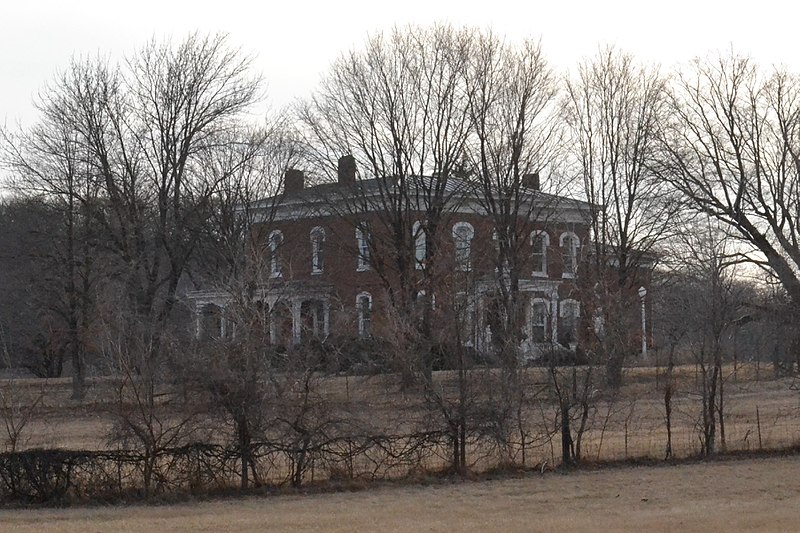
{"points": [[642, 295]]}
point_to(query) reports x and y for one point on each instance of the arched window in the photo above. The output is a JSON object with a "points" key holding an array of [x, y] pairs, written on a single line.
{"points": [[317, 250], [420, 244], [275, 244], [362, 243], [463, 233], [540, 240], [540, 320], [569, 254], [568, 315], [364, 307]]}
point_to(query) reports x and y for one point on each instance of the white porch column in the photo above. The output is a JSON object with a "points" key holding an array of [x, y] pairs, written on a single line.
{"points": [[273, 330], [554, 313], [198, 321], [297, 321], [326, 320]]}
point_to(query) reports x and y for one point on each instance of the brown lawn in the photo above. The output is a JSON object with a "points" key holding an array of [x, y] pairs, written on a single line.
{"points": [[736, 495], [630, 426]]}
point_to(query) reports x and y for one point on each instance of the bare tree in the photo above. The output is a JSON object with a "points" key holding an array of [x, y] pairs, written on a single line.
{"points": [[731, 149], [709, 263], [50, 163], [398, 108], [248, 166], [514, 138], [31, 274], [18, 406], [149, 413], [124, 147], [613, 108]]}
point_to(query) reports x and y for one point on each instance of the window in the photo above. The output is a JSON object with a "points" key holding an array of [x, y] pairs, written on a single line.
{"points": [[569, 254], [210, 324], [275, 243], [364, 306], [362, 241], [540, 320], [317, 250], [463, 232], [539, 243], [420, 245], [501, 253], [421, 297], [568, 315]]}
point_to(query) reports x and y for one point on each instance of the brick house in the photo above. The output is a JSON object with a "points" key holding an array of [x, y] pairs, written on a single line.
{"points": [[328, 265]]}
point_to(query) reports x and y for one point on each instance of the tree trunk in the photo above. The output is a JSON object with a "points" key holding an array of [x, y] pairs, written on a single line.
{"points": [[668, 404], [244, 452], [566, 436]]}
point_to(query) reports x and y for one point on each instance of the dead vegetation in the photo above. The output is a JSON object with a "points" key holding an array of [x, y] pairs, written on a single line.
{"points": [[746, 495], [357, 429]]}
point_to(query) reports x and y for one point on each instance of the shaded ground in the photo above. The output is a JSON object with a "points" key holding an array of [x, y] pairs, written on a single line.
{"points": [[752, 494]]}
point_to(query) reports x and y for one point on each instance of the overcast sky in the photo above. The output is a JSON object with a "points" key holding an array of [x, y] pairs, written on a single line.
{"points": [[296, 40]]}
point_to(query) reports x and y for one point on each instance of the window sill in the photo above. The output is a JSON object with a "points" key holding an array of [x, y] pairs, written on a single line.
{"points": [[316, 272], [568, 276]]}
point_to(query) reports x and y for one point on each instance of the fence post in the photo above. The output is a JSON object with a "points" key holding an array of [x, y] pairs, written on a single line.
{"points": [[758, 425]]}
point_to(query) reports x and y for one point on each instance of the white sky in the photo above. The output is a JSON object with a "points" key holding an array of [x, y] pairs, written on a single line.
{"points": [[296, 40]]}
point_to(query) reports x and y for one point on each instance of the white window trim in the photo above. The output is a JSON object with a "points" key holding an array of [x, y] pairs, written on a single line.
{"points": [[547, 319], [364, 294], [317, 236], [543, 251], [463, 266], [573, 253], [420, 244], [275, 270], [362, 242]]}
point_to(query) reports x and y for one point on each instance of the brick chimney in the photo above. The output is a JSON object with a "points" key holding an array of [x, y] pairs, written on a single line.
{"points": [[347, 170], [531, 181], [293, 181]]}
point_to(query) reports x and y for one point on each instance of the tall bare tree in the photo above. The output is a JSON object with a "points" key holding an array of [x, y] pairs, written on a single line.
{"points": [[134, 134], [732, 149], [514, 137], [398, 106], [51, 163], [613, 109]]}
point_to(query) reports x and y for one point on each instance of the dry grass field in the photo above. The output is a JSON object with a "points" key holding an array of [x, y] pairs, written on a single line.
{"points": [[632, 425], [735, 495]]}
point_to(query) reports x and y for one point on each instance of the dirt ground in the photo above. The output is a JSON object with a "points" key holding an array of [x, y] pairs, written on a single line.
{"points": [[734, 495]]}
